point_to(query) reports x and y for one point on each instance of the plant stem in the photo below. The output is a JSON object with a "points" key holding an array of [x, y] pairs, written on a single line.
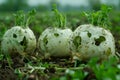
{"points": [[33, 68], [23, 20], [60, 17]]}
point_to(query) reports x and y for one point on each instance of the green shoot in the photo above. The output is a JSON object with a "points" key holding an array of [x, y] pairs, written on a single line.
{"points": [[30, 16], [22, 19], [61, 19], [19, 18], [100, 18]]}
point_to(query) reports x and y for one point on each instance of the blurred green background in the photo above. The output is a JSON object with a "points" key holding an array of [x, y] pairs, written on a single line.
{"points": [[64, 5]]}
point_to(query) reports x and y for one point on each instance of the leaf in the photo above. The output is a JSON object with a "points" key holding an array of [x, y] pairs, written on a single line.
{"points": [[22, 19], [19, 18], [30, 15], [99, 18], [61, 19]]}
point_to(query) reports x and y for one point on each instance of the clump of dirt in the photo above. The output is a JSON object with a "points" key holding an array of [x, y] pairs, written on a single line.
{"points": [[7, 74]]}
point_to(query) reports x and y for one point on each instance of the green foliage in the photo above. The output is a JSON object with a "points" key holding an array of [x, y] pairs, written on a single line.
{"points": [[102, 71], [2, 31], [106, 69], [24, 20], [95, 4], [19, 18], [59, 17], [100, 18], [30, 15], [13, 5]]}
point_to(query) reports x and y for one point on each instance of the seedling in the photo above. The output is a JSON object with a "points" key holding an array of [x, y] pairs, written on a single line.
{"points": [[100, 18]]}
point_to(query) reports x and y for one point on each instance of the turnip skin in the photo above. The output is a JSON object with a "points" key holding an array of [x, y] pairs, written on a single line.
{"points": [[55, 42], [91, 41], [18, 40]]}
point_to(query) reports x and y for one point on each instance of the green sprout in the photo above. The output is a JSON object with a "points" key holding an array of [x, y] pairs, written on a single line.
{"points": [[30, 15], [99, 18], [22, 19], [61, 19], [19, 18]]}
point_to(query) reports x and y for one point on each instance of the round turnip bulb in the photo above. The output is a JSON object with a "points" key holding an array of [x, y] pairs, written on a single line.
{"points": [[55, 42], [91, 41], [18, 40]]}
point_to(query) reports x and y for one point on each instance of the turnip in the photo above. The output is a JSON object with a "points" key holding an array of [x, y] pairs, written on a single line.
{"points": [[20, 38], [55, 41], [91, 41]]}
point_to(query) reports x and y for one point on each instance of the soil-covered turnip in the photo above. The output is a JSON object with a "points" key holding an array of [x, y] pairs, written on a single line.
{"points": [[55, 42], [91, 41], [20, 38]]}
